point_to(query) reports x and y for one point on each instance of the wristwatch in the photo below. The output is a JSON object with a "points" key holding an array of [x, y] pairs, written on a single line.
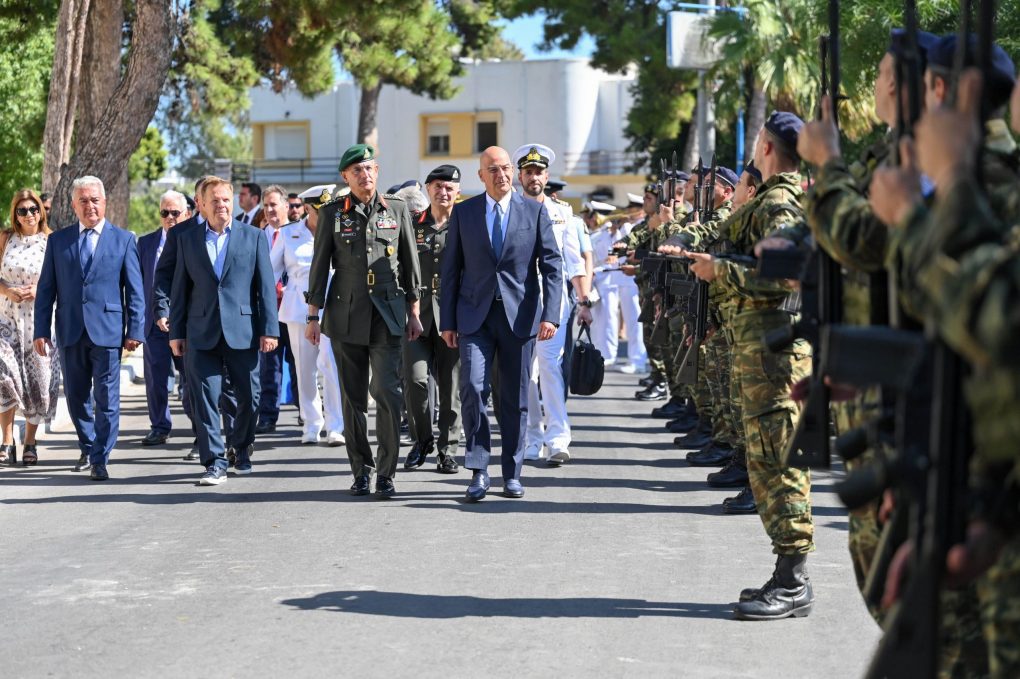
{"points": [[585, 302], [310, 318]]}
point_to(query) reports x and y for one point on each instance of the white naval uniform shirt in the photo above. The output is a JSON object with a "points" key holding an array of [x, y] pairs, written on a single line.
{"points": [[561, 215], [292, 253]]}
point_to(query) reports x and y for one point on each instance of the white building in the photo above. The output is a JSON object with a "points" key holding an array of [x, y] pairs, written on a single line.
{"points": [[578, 111]]}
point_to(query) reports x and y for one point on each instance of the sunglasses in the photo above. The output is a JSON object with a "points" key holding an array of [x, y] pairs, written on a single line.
{"points": [[26, 211], [167, 213], [294, 206]]}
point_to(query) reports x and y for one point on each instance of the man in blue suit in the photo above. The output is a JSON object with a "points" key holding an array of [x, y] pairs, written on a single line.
{"points": [[91, 273], [497, 245], [222, 312], [159, 361], [162, 282]]}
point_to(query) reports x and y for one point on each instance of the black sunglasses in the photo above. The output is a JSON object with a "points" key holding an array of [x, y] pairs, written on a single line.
{"points": [[26, 211], [166, 213], [295, 206]]}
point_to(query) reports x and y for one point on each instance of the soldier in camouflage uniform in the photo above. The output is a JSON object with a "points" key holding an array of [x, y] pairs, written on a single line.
{"points": [[962, 260], [371, 300], [752, 308]]}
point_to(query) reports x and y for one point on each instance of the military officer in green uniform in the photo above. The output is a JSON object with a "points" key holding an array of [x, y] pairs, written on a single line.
{"points": [[429, 352], [370, 303]]}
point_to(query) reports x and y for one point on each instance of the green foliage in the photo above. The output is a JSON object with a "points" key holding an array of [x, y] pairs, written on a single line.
{"points": [[148, 162], [26, 58]]}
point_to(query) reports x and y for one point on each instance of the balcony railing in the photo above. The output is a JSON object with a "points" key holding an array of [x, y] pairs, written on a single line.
{"points": [[324, 170]]}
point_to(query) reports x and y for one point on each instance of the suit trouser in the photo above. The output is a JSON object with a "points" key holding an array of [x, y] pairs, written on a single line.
{"points": [[312, 360], [477, 353], [159, 362], [429, 354], [205, 373], [92, 371], [382, 356], [605, 322], [271, 367], [548, 360], [630, 308], [185, 394]]}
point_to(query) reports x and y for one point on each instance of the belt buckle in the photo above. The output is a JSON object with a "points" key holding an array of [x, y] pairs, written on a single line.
{"points": [[371, 278], [435, 283]]}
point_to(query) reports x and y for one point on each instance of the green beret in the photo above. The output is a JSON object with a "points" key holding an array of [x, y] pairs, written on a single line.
{"points": [[358, 153]]}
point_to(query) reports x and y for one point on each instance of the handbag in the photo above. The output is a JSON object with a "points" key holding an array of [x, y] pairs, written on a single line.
{"points": [[587, 367]]}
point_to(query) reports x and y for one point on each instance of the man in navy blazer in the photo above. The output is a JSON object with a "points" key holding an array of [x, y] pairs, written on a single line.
{"points": [[490, 307], [91, 273], [159, 361], [222, 312]]}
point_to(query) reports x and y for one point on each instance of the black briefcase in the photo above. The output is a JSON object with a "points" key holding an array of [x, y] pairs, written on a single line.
{"points": [[587, 367]]}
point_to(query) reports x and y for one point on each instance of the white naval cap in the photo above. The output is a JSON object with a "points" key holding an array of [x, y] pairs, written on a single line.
{"points": [[533, 154], [635, 199], [600, 207], [317, 196]]}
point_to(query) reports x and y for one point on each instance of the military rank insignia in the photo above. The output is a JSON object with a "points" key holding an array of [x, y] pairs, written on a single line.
{"points": [[390, 250]]}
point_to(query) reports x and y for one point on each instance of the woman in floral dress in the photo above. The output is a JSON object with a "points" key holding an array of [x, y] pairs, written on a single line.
{"points": [[28, 381]]}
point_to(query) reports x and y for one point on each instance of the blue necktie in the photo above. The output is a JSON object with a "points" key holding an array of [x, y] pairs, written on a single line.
{"points": [[497, 230], [88, 249]]}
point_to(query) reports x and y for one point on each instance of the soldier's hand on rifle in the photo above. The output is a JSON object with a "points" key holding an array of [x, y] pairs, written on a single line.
{"points": [[773, 243], [674, 250], [818, 141], [948, 138], [629, 269], [896, 191], [666, 212], [895, 579], [967, 561], [703, 266]]}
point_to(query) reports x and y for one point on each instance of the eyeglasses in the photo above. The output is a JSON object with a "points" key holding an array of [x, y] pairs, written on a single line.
{"points": [[295, 206], [166, 213], [26, 211]]}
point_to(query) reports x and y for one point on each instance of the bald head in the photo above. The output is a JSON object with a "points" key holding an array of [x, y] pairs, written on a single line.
{"points": [[496, 172]]}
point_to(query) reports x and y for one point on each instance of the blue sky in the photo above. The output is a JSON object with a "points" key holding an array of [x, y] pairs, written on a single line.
{"points": [[526, 32]]}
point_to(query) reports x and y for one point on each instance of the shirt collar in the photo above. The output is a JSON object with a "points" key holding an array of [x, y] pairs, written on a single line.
{"points": [[504, 202], [98, 228], [226, 231], [251, 215]]}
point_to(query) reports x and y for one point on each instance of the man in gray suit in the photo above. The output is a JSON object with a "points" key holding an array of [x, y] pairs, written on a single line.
{"points": [[371, 302], [222, 312]]}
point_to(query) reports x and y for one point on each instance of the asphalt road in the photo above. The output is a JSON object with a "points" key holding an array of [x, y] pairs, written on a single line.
{"points": [[619, 564]]}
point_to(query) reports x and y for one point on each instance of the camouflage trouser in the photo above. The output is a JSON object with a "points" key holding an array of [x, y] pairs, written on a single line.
{"points": [[963, 650], [999, 595], [727, 426], [782, 493], [864, 531]]}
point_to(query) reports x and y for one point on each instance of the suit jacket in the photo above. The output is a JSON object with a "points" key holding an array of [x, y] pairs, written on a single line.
{"points": [[471, 272], [163, 278], [240, 306], [147, 247], [258, 220], [107, 303]]}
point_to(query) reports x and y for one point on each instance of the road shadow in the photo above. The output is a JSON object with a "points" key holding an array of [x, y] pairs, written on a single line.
{"points": [[439, 607]]}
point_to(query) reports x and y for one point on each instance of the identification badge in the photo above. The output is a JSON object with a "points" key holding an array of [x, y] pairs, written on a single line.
{"points": [[345, 226], [385, 223]]}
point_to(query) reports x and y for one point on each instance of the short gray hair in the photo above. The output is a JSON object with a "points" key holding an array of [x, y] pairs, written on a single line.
{"points": [[274, 188], [412, 195], [175, 196], [87, 181]]}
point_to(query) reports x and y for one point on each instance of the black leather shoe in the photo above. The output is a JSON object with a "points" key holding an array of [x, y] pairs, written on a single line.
{"points": [[669, 411], [712, 455], [742, 503], [362, 485], [99, 473], [513, 488], [682, 424], [733, 475], [656, 392], [447, 463], [647, 381], [265, 427], [384, 486], [419, 451], [478, 487], [192, 455], [787, 594], [155, 438], [83, 463], [231, 457]]}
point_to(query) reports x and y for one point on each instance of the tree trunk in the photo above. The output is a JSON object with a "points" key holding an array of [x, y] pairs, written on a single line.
{"points": [[102, 54], [368, 111], [104, 149], [64, 84], [755, 116], [689, 158]]}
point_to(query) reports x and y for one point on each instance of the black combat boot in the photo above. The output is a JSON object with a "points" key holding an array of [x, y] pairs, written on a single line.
{"points": [[742, 503], [671, 409], [656, 392], [733, 475], [698, 438], [715, 454], [787, 593]]}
